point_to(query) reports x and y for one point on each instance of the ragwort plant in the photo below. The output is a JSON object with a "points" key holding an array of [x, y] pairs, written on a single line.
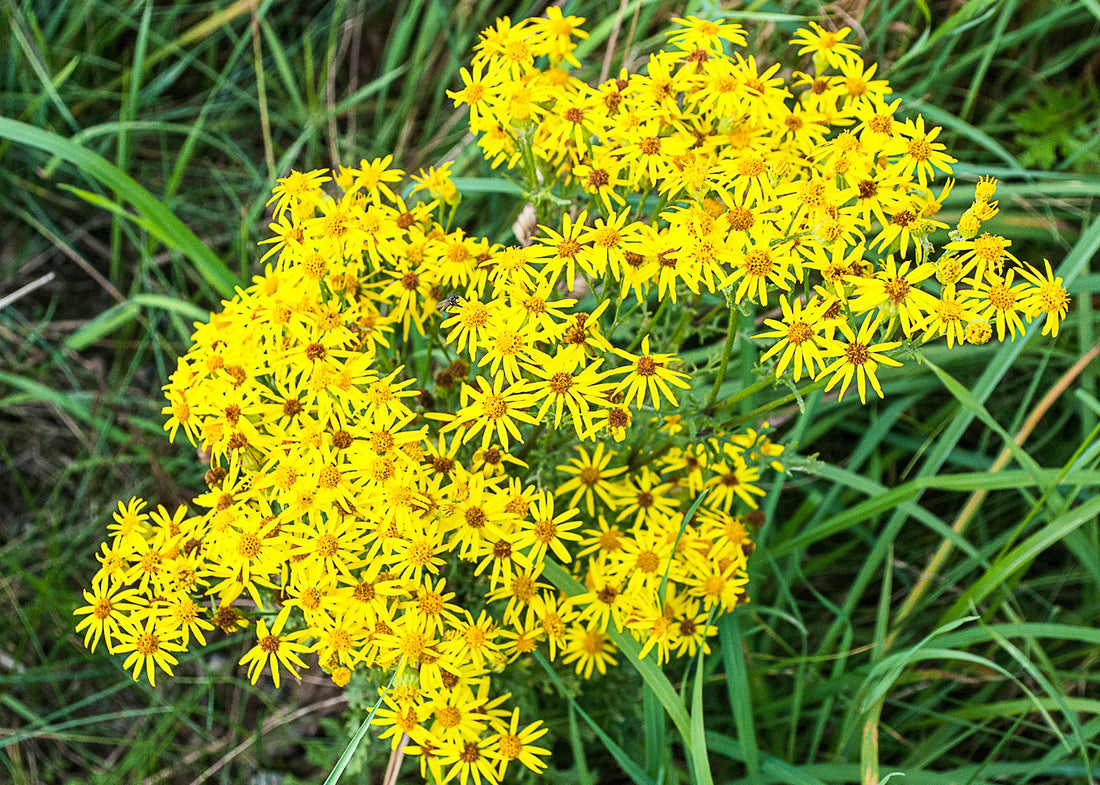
{"points": [[382, 406]]}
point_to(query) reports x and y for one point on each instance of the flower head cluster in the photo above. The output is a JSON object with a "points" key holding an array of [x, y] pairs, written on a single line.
{"points": [[382, 407], [813, 192]]}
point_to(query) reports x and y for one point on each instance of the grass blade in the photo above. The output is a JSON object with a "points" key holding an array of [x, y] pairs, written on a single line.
{"points": [[158, 218]]}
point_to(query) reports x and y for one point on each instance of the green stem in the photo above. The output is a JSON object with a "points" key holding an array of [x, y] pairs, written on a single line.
{"points": [[727, 350], [529, 443], [679, 333], [759, 410], [649, 325]]}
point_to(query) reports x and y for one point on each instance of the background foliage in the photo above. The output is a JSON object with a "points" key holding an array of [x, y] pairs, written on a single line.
{"points": [[202, 105]]}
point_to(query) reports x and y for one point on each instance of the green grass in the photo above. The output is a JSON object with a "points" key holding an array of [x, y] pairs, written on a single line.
{"points": [[138, 144]]}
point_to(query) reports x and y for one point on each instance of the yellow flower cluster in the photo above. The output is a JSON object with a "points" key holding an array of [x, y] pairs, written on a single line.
{"points": [[754, 185], [341, 496], [369, 404]]}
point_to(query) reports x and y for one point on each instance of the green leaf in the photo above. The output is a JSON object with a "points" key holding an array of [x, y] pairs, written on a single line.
{"points": [[346, 756], [124, 313], [630, 766], [154, 216]]}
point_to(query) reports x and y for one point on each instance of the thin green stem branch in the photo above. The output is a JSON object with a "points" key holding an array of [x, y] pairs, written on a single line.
{"points": [[727, 350]]}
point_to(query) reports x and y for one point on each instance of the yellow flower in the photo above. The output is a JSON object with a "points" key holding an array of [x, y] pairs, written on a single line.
{"points": [[604, 601], [469, 324], [590, 478], [827, 47], [798, 334], [646, 498], [513, 744], [559, 252], [949, 317], [150, 646], [563, 387], [493, 411], [605, 244], [108, 613], [696, 33], [273, 649], [650, 372], [1048, 299], [373, 176], [894, 291], [468, 759], [986, 251], [479, 88], [858, 357], [130, 528], [922, 153], [296, 188], [1000, 301], [590, 647]]}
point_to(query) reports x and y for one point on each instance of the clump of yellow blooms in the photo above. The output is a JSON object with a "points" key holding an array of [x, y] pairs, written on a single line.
{"points": [[379, 406]]}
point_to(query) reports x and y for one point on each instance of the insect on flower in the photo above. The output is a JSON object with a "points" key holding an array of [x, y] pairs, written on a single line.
{"points": [[448, 303]]}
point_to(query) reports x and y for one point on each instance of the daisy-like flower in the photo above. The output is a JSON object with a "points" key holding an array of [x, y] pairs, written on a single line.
{"points": [[1000, 301], [922, 153], [798, 338], [758, 266], [493, 411], [589, 647], [904, 221], [150, 646], [857, 356], [438, 183], [478, 89], [274, 648], [604, 543], [602, 178], [655, 627], [644, 558], [477, 639], [552, 613], [130, 527], [556, 31], [374, 176], [515, 744], [690, 629], [604, 603], [509, 339], [949, 317], [894, 291], [713, 581], [545, 532], [559, 251], [590, 478], [859, 84], [298, 187], [577, 117], [108, 609], [878, 195], [1048, 299], [469, 325], [733, 479], [828, 48], [696, 33], [650, 373], [468, 760], [187, 614], [646, 499], [986, 251], [563, 387], [605, 244], [615, 421]]}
